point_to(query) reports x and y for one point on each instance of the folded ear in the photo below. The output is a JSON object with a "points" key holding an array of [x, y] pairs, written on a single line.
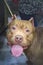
{"points": [[10, 19], [14, 17], [31, 20]]}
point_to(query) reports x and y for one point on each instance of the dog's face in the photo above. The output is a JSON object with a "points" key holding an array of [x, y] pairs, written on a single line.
{"points": [[21, 32]]}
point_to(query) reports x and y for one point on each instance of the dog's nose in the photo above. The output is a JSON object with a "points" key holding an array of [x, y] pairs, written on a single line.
{"points": [[19, 38]]}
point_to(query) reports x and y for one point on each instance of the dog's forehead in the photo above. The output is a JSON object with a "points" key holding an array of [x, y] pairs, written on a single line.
{"points": [[16, 21], [20, 22]]}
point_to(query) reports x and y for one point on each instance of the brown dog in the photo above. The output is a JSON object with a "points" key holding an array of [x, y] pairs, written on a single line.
{"points": [[23, 32]]}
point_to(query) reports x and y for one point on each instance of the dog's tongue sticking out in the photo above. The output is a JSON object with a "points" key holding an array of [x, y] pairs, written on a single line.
{"points": [[16, 50]]}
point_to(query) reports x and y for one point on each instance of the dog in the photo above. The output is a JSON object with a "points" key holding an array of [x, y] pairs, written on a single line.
{"points": [[31, 39], [21, 32]]}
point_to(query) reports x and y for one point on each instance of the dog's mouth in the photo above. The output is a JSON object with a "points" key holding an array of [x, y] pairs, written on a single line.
{"points": [[17, 49], [18, 43], [24, 47]]}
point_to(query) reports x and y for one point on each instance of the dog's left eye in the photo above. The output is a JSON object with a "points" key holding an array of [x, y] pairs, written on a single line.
{"points": [[27, 30]]}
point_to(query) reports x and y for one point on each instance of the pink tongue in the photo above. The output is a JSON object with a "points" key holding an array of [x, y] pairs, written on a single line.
{"points": [[16, 50]]}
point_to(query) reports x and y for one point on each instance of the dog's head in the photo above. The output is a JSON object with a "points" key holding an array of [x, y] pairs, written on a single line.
{"points": [[21, 32]]}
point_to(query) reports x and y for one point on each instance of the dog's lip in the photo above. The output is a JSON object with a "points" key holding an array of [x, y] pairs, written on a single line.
{"points": [[24, 47]]}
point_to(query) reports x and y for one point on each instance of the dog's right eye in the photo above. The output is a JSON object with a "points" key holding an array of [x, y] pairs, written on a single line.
{"points": [[14, 28]]}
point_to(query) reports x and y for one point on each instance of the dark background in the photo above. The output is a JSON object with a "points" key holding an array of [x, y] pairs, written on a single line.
{"points": [[1, 15]]}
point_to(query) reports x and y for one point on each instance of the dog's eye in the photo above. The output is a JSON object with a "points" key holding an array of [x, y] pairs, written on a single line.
{"points": [[27, 30], [14, 27]]}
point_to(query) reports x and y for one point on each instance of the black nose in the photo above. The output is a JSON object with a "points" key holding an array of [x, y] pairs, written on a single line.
{"points": [[18, 38]]}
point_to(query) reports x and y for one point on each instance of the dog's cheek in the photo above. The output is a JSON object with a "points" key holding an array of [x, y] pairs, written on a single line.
{"points": [[25, 41], [30, 37]]}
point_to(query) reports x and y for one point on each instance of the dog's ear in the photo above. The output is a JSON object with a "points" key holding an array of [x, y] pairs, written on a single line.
{"points": [[31, 20], [10, 19]]}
